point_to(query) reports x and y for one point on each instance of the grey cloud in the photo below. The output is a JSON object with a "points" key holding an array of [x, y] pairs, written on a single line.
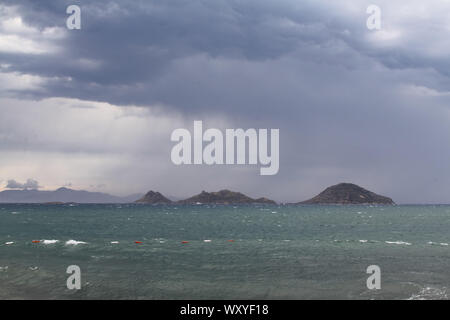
{"points": [[29, 184], [13, 184], [143, 47]]}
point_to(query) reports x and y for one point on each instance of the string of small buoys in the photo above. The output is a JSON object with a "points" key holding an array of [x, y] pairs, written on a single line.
{"points": [[74, 242]]}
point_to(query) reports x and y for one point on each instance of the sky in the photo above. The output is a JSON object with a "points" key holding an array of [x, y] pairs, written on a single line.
{"points": [[94, 108]]}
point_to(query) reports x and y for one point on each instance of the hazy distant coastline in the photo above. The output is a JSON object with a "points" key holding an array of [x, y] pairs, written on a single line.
{"points": [[62, 195]]}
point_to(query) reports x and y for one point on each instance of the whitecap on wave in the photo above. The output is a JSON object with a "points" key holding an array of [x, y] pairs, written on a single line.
{"points": [[74, 242], [430, 293], [438, 243], [49, 241], [398, 242]]}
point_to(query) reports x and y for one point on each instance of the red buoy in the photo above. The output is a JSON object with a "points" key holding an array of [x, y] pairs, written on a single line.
{"points": [[36, 241], [184, 241], [138, 242]]}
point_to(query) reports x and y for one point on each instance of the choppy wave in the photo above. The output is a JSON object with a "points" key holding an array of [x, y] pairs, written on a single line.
{"points": [[399, 242], [430, 293], [49, 241], [162, 241], [438, 243], [74, 242]]}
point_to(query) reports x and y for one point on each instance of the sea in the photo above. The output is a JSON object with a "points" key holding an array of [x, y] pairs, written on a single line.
{"points": [[134, 251]]}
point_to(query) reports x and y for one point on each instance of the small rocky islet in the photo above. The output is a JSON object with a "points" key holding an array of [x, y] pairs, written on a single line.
{"points": [[221, 197]]}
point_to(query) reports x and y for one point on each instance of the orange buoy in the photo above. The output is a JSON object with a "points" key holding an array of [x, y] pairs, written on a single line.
{"points": [[36, 241], [184, 242], [138, 242]]}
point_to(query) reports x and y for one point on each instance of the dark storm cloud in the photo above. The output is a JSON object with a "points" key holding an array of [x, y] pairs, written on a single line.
{"points": [[143, 52], [351, 104], [136, 43]]}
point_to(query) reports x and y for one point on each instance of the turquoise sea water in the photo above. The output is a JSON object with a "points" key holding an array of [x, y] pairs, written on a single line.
{"points": [[277, 252]]}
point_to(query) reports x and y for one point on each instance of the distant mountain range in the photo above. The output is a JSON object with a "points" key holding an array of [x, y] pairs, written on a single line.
{"points": [[62, 195], [343, 193]]}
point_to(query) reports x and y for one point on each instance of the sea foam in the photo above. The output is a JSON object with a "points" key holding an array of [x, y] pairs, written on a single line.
{"points": [[399, 242], [49, 241], [74, 242]]}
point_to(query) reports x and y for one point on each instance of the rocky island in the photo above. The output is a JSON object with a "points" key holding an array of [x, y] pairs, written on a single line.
{"points": [[348, 193], [153, 197], [224, 197]]}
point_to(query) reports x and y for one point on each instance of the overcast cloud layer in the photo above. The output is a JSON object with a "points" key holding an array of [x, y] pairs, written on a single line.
{"points": [[94, 108]]}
